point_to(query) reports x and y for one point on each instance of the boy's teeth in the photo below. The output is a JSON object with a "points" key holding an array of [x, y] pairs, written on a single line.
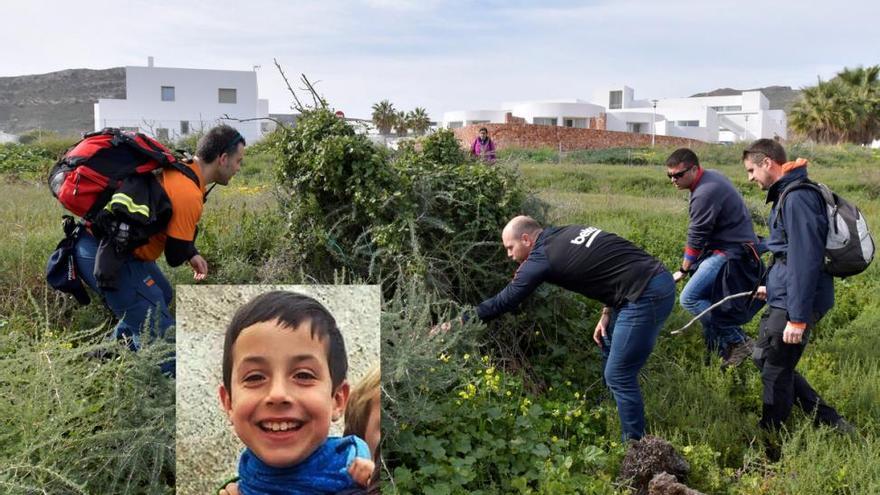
{"points": [[279, 426]]}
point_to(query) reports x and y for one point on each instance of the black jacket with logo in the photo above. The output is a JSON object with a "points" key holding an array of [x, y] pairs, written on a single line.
{"points": [[586, 260]]}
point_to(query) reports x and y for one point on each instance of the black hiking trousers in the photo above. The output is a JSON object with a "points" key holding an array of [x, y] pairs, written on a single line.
{"points": [[783, 386]]}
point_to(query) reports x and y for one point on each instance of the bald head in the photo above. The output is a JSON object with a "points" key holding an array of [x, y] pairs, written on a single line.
{"points": [[519, 236], [522, 224]]}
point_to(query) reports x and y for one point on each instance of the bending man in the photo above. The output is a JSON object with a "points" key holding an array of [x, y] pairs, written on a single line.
{"points": [[637, 291]]}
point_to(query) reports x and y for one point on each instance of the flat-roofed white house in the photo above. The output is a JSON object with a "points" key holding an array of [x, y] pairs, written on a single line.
{"points": [[564, 112], [169, 103], [743, 117], [726, 119]]}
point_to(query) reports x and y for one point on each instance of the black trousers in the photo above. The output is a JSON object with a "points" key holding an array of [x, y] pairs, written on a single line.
{"points": [[783, 386]]}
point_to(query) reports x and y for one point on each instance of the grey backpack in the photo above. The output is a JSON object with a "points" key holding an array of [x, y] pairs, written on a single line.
{"points": [[849, 247]]}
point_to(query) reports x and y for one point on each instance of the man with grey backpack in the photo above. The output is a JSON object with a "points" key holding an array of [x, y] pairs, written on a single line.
{"points": [[813, 236]]}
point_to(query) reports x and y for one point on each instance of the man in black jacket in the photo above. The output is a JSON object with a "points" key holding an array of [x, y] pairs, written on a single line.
{"points": [[637, 291]]}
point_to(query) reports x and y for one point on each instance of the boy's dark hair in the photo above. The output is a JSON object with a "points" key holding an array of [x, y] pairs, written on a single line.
{"points": [[291, 310], [683, 155], [765, 148], [221, 139], [484, 129]]}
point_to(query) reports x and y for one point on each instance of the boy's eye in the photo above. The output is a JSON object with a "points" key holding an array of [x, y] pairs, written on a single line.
{"points": [[253, 378], [304, 375]]}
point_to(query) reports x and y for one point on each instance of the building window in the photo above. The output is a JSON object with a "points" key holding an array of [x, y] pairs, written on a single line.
{"points": [[576, 123], [184, 127], [544, 121], [729, 108], [453, 125], [227, 95], [162, 134], [167, 93], [615, 100], [635, 127], [687, 123], [477, 122]]}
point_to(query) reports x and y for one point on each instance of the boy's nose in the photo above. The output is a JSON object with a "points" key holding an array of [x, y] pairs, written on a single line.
{"points": [[279, 393]]}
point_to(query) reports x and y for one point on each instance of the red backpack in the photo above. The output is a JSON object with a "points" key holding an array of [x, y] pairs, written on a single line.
{"points": [[89, 173]]}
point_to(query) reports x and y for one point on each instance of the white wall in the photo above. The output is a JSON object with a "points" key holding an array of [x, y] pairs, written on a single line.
{"points": [[196, 100], [560, 110], [466, 117]]}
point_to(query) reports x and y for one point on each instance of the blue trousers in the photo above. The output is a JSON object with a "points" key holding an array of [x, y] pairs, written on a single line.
{"points": [[141, 300], [696, 297], [629, 341]]}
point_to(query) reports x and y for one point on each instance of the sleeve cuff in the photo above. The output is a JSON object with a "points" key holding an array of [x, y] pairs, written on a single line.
{"points": [[691, 254]]}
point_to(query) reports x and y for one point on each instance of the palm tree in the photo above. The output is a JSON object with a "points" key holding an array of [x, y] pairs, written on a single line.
{"points": [[844, 109], [384, 116], [400, 123], [418, 120]]}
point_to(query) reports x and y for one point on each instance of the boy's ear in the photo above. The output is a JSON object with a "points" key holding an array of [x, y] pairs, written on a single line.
{"points": [[225, 399], [340, 399]]}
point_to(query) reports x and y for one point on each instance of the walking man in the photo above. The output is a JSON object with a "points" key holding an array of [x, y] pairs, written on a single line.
{"points": [[142, 293], [720, 256], [798, 291]]}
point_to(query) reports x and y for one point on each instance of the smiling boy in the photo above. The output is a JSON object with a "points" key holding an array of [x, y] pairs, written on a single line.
{"points": [[284, 369]]}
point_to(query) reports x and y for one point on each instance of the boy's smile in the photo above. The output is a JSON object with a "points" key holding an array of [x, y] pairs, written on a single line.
{"points": [[281, 400]]}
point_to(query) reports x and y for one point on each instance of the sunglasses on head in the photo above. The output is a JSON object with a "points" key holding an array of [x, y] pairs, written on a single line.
{"points": [[679, 175]]}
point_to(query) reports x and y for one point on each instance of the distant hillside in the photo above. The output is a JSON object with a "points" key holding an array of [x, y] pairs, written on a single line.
{"points": [[779, 97], [61, 101]]}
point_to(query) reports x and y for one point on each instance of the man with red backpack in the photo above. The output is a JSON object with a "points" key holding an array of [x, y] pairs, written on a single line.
{"points": [[140, 293]]}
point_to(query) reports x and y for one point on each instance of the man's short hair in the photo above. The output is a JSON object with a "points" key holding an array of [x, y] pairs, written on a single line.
{"points": [[221, 139], [683, 155], [290, 310], [524, 225], [765, 148], [484, 129]]}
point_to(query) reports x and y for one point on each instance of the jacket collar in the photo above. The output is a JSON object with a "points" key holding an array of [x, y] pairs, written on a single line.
{"points": [[697, 178], [791, 172]]}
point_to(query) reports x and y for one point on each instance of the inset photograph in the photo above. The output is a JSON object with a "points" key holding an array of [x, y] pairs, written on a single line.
{"points": [[278, 389]]}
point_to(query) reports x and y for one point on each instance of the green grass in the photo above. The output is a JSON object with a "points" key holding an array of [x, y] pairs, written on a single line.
{"points": [[71, 422]]}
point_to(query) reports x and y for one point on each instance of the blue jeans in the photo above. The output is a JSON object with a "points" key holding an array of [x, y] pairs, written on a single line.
{"points": [[630, 339], [696, 297], [141, 300]]}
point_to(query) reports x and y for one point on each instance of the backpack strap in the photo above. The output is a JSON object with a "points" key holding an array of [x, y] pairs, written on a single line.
{"points": [[824, 192]]}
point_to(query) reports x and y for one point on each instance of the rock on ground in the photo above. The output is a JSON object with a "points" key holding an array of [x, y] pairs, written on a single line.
{"points": [[648, 457], [666, 484]]}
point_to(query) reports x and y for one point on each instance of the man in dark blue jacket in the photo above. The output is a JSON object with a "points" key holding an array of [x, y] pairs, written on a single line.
{"points": [[798, 291], [637, 291], [721, 246]]}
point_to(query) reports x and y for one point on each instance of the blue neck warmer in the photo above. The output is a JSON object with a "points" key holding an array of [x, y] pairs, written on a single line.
{"points": [[323, 472]]}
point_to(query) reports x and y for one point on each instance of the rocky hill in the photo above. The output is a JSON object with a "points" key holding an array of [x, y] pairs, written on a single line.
{"points": [[779, 97], [60, 101]]}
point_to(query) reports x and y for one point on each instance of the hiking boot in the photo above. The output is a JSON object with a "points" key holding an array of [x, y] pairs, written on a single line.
{"points": [[738, 352]]}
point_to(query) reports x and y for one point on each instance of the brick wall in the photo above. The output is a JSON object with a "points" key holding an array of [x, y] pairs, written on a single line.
{"points": [[514, 135]]}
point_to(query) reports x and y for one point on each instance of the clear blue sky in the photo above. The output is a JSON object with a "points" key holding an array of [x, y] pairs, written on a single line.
{"points": [[454, 55]]}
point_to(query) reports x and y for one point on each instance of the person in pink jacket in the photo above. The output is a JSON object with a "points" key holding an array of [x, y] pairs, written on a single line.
{"points": [[483, 147]]}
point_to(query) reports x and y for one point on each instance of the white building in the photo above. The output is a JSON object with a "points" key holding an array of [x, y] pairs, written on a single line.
{"points": [[744, 117], [568, 113], [170, 103]]}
